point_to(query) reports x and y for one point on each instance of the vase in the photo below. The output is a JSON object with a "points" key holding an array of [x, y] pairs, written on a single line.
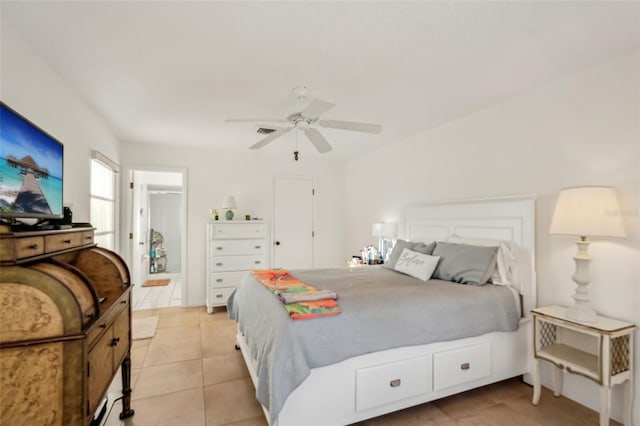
{"points": [[229, 215]]}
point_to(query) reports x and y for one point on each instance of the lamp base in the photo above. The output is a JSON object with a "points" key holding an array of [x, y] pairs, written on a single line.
{"points": [[581, 309], [229, 215]]}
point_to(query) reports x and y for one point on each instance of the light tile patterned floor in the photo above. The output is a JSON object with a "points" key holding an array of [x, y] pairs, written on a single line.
{"points": [[189, 374]]}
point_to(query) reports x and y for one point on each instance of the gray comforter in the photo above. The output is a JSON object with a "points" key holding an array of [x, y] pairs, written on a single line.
{"points": [[381, 309]]}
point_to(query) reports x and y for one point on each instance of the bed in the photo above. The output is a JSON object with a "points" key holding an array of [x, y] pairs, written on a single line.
{"points": [[337, 371]]}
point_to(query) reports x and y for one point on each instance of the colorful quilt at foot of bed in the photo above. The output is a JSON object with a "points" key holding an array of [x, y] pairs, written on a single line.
{"points": [[306, 304]]}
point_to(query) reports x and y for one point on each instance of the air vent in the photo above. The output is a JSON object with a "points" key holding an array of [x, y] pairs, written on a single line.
{"points": [[264, 130]]}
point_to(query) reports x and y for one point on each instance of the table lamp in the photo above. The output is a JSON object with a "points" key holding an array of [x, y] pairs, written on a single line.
{"points": [[229, 204], [586, 212], [386, 232]]}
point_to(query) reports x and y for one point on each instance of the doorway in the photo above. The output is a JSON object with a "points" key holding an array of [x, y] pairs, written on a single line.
{"points": [[293, 222], [158, 237]]}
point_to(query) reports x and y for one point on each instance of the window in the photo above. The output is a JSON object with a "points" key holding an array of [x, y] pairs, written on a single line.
{"points": [[103, 200]]}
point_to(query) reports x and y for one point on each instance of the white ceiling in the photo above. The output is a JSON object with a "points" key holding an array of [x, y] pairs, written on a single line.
{"points": [[170, 72]]}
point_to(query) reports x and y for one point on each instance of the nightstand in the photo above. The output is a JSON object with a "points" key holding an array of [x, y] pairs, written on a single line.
{"points": [[601, 351]]}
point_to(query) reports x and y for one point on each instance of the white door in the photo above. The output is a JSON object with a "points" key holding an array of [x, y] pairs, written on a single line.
{"points": [[293, 223]]}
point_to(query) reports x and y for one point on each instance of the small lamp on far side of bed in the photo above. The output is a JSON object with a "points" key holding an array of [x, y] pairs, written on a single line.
{"points": [[386, 233], [586, 212]]}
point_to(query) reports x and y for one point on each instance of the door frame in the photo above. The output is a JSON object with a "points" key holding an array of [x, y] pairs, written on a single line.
{"points": [[130, 218], [313, 181]]}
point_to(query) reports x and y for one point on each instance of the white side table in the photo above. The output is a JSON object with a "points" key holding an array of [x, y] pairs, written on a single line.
{"points": [[601, 351]]}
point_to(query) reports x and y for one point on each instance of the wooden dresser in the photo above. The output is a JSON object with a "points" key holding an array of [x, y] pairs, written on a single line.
{"points": [[65, 327]]}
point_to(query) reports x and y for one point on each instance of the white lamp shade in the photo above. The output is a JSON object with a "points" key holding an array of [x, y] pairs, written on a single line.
{"points": [[384, 230], [229, 203], [588, 212]]}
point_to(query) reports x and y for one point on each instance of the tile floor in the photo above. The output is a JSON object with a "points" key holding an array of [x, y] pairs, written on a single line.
{"points": [[189, 374]]}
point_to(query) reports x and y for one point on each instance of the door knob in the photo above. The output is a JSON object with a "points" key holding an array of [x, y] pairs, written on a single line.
{"points": [[277, 243]]}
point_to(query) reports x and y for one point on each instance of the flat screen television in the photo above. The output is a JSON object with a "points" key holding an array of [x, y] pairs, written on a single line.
{"points": [[30, 170]]}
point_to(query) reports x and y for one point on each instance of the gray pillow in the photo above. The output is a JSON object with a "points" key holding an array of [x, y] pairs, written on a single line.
{"points": [[401, 245], [465, 264]]}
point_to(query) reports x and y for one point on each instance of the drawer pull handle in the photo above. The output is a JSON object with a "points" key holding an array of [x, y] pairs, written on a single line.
{"points": [[464, 366], [115, 341], [219, 280], [257, 262], [88, 238], [218, 248], [33, 247], [219, 264], [394, 383], [219, 296], [124, 302], [67, 241], [104, 325], [258, 247]]}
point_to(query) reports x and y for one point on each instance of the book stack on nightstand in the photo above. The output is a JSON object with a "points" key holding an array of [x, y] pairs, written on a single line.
{"points": [[601, 351]]}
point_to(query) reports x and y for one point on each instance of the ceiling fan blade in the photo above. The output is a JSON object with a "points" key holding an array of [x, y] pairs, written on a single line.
{"points": [[255, 120], [316, 138], [351, 125], [262, 142], [317, 107]]}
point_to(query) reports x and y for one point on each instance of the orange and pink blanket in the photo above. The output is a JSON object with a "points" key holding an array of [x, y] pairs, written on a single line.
{"points": [[301, 300]]}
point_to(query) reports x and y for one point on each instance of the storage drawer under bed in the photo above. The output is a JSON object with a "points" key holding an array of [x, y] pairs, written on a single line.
{"points": [[383, 384], [462, 365]]}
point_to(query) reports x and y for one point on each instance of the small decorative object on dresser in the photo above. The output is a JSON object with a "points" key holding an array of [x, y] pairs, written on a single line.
{"points": [[604, 355], [586, 212], [233, 249]]}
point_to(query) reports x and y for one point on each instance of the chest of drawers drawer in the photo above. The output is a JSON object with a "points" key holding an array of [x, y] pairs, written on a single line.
{"points": [[237, 230], [236, 247], [237, 263], [227, 279]]}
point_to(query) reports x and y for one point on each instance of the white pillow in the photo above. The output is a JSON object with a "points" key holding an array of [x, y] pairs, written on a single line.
{"points": [[506, 261], [416, 264]]}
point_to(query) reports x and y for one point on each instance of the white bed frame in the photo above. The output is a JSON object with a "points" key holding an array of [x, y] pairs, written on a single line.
{"points": [[373, 384]]}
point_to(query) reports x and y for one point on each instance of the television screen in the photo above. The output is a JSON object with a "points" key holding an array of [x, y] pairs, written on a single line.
{"points": [[30, 169]]}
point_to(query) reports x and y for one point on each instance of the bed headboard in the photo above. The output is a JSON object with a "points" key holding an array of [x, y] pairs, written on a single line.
{"points": [[509, 219]]}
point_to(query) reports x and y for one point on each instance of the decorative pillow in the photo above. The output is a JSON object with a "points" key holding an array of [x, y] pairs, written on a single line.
{"points": [[416, 264], [506, 262], [465, 264], [401, 245]]}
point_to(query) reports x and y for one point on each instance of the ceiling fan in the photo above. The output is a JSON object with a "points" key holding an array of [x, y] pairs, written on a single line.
{"points": [[306, 120]]}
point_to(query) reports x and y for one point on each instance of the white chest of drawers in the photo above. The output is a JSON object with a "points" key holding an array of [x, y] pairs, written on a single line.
{"points": [[233, 249]]}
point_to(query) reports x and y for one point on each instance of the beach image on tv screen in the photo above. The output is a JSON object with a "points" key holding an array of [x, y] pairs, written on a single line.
{"points": [[30, 169]]}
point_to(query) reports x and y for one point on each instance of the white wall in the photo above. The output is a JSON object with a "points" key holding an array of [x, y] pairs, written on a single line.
{"points": [[583, 130], [29, 86], [211, 175]]}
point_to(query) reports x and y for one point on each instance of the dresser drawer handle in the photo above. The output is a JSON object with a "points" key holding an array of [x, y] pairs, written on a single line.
{"points": [[219, 280], [257, 262], [219, 296], [67, 241], [219, 264], [124, 302], [465, 366], [88, 238], [258, 247], [33, 246], [219, 248], [103, 325], [394, 383]]}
